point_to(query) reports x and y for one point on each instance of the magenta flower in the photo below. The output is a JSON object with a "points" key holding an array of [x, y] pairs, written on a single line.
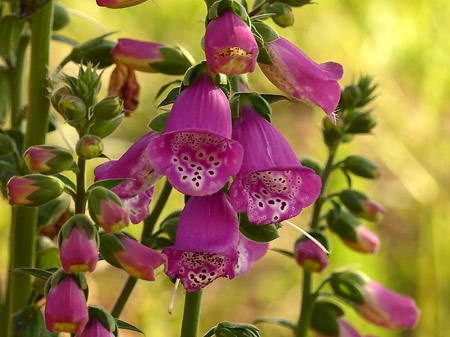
{"points": [[119, 3], [365, 241], [272, 185], [78, 252], [249, 251], [95, 328], [294, 73], [33, 190], [206, 243], [196, 152], [230, 46], [345, 330], [310, 256], [65, 309], [134, 164], [386, 308], [137, 54], [139, 260]]}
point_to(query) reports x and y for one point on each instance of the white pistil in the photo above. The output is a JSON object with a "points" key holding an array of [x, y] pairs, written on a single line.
{"points": [[172, 299], [309, 236]]}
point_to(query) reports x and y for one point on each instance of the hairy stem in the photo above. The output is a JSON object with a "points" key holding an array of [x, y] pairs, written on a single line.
{"points": [[191, 315]]}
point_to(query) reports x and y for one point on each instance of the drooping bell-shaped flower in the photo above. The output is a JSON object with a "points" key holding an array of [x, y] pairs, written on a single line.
{"points": [[310, 256], [345, 330], [294, 73], [135, 194], [65, 308], [78, 248], [387, 308], [272, 185], [206, 242], [196, 152], [249, 251], [119, 3], [137, 54], [95, 328], [230, 46]]}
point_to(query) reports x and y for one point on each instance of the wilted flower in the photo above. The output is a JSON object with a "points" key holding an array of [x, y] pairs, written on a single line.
{"points": [[47, 159], [196, 152], [123, 83], [249, 251], [33, 190], [206, 242], [294, 73], [230, 46], [271, 185], [119, 3], [135, 165]]}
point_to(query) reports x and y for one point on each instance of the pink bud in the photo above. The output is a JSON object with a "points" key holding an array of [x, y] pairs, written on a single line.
{"points": [[19, 189], [78, 253], [366, 241], [230, 46], [48, 159], [33, 190], [118, 3], [65, 309], [36, 159], [137, 54], [113, 217], [310, 256], [372, 211], [95, 328], [139, 260]]}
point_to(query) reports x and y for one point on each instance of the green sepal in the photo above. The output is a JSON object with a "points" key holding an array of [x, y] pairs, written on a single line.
{"points": [[324, 318], [271, 98], [176, 61], [276, 320], [362, 167], [104, 129], [361, 122], [127, 326], [230, 329], [79, 221], [109, 244], [7, 145], [318, 235], [263, 54], [50, 189], [107, 184], [258, 103], [294, 3], [349, 285], [66, 181], [353, 200], [166, 86], [344, 224], [107, 109], [171, 97], [105, 318], [158, 123], [267, 33], [258, 233], [219, 6], [284, 16], [312, 164]]}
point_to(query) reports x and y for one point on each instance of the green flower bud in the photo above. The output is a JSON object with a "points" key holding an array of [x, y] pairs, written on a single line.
{"points": [[312, 164], [332, 133], [362, 167], [107, 109], [350, 97], [60, 17], [48, 159], [72, 108], [360, 205], [89, 147], [58, 94], [284, 16], [363, 122], [324, 318], [104, 129], [96, 51], [88, 84], [349, 284], [7, 145]]}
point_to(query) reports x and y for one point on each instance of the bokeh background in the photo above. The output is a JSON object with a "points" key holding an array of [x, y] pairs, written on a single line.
{"points": [[404, 45]]}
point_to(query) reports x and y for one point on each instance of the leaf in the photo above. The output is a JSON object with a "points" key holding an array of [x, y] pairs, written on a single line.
{"points": [[36, 272], [171, 97], [271, 98], [283, 252], [107, 183], [165, 86], [258, 233], [262, 16], [127, 326], [158, 123], [276, 320], [65, 39], [66, 181], [4, 93], [267, 33]]}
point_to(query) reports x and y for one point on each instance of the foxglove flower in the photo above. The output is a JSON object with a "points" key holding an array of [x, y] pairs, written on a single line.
{"points": [[310, 256], [95, 328], [78, 248], [65, 309], [139, 260], [249, 251], [137, 54], [386, 308], [33, 190], [230, 46], [47, 159], [196, 152], [272, 185], [206, 242], [345, 330], [118, 3], [294, 73], [135, 194]]}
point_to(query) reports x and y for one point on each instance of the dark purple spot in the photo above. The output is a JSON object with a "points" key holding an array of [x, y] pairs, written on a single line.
{"points": [[211, 173], [283, 205], [217, 163], [211, 158], [271, 202], [184, 177], [186, 158], [260, 204], [180, 169]]}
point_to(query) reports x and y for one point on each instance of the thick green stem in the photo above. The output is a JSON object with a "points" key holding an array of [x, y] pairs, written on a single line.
{"points": [[80, 201], [191, 315], [149, 225], [307, 295]]}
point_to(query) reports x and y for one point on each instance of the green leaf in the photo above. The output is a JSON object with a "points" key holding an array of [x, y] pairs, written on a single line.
{"points": [[108, 183], [276, 320], [4, 93], [127, 326], [165, 86], [258, 233], [263, 56], [65, 39], [158, 123], [271, 98], [66, 181], [171, 97], [36, 272], [262, 16], [283, 252], [267, 33], [11, 28]]}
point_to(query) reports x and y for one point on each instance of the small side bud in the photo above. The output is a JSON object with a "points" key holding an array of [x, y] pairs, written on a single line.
{"points": [[47, 159], [108, 108], [104, 129], [360, 205], [312, 164], [58, 94], [362, 167], [33, 190], [96, 51], [89, 147], [363, 122], [72, 108], [284, 15], [309, 255], [332, 133], [61, 17], [7, 145], [350, 97]]}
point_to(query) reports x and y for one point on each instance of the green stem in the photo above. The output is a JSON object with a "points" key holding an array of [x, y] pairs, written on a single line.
{"points": [[80, 201], [308, 297], [149, 225], [23, 229], [16, 84], [257, 9], [191, 315]]}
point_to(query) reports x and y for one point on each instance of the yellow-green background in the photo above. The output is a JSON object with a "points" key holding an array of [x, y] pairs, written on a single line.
{"points": [[405, 46]]}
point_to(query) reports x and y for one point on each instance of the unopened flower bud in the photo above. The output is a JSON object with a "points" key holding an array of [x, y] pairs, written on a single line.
{"points": [[351, 96], [66, 309], [58, 94], [284, 16], [72, 108], [96, 51], [296, 3], [107, 210], [119, 3], [362, 167], [331, 132], [33, 190], [309, 255], [312, 164], [360, 205], [107, 109], [61, 17], [78, 245], [48, 159], [7, 145], [324, 320], [101, 323], [89, 146], [363, 122]]}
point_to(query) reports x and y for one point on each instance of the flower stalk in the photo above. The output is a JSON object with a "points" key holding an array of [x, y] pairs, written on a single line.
{"points": [[191, 315]]}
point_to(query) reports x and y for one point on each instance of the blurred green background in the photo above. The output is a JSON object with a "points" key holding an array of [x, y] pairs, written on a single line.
{"points": [[405, 46]]}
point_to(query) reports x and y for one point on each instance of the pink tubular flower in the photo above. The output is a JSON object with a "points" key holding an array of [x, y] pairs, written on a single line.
{"points": [[119, 3], [249, 251], [196, 151], [65, 309], [386, 308], [95, 328], [206, 243], [230, 46], [78, 252], [137, 54], [345, 330], [271, 185], [135, 194], [310, 256], [294, 73], [139, 260], [365, 241]]}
